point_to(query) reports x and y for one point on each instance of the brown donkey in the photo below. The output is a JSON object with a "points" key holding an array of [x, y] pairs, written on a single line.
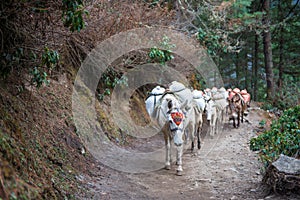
{"points": [[237, 106]]}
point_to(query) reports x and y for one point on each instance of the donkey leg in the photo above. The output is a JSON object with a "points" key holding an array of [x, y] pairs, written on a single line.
{"points": [[168, 154], [234, 117], [192, 139], [213, 125], [233, 122], [198, 137], [218, 126], [242, 120], [192, 135], [179, 159], [212, 130], [239, 119], [193, 146]]}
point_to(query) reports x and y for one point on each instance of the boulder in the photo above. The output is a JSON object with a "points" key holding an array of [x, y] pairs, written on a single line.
{"points": [[283, 175]]}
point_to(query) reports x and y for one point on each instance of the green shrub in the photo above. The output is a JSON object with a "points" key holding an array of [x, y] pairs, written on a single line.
{"points": [[282, 138], [50, 58], [109, 80], [160, 56], [163, 54], [212, 42], [73, 11], [38, 77]]}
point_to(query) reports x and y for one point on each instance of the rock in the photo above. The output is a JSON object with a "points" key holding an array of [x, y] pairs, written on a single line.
{"points": [[270, 197], [287, 165], [204, 180], [82, 151], [196, 184], [283, 175], [233, 169]]}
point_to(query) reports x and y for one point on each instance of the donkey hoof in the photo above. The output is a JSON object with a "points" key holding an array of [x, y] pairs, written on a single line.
{"points": [[179, 173], [168, 167]]}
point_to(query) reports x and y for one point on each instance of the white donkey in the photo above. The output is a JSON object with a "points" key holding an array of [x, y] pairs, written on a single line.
{"points": [[216, 103], [212, 115], [192, 111], [174, 119], [198, 98], [153, 98], [220, 97]]}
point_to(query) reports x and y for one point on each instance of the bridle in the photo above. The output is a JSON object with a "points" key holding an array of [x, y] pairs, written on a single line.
{"points": [[177, 117]]}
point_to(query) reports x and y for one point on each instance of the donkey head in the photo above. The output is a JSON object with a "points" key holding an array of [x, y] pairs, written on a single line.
{"points": [[236, 101], [176, 117]]}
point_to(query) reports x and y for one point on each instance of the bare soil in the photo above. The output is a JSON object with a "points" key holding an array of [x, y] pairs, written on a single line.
{"points": [[224, 168]]}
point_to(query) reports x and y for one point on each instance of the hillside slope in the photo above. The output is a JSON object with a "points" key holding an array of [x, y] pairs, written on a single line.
{"points": [[41, 155], [39, 150]]}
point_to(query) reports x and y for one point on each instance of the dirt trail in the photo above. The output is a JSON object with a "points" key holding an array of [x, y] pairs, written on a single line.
{"points": [[224, 168]]}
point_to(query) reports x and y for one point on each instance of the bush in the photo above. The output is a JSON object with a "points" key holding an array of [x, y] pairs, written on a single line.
{"points": [[73, 11], [109, 80], [282, 138], [163, 54]]}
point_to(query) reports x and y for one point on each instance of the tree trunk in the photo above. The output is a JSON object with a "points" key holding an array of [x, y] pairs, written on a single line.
{"points": [[281, 42], [237, 70], [255, 67], [246, 71], [268, 51]]}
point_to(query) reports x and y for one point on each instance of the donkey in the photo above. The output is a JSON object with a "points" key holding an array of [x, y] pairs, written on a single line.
{"points": [[175, 122], [212, 112], [198, 99], [212, 117], [237, 106], [170, 117], [153, 97]]}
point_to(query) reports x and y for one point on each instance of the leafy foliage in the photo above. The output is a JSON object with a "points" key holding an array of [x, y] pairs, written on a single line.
{"points": [[38, 77], [73, 12], [50, 58], [9, 60], [163, 54], [109, 80], [160, 56], [282, 138], [262, 123], [289, 94], [211, 41]]}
